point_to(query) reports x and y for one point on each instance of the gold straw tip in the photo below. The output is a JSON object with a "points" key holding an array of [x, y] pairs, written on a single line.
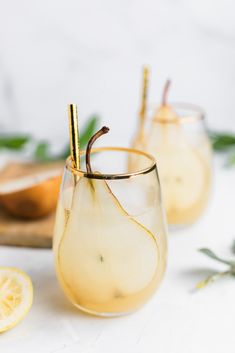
{"points": [[72, 108], [72, 112], [146, 70]]}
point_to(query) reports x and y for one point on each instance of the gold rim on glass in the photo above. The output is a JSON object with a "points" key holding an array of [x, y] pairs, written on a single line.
{"points": [[116, 175]]}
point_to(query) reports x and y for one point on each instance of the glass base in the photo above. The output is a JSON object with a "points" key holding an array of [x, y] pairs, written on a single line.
{"points": [[103, 314]]}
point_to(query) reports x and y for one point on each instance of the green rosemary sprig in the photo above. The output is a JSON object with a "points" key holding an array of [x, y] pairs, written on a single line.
{"points": [[14, 142], [217, 275], [224, 142], [231, 159], [42, 149]]}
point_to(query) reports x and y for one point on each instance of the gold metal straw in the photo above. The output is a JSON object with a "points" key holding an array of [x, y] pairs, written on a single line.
{"points": [[74, 137], [143, 107]]}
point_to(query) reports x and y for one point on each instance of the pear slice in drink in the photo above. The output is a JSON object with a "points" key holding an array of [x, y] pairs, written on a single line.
{"points": [[104, 254], [184, 172]]}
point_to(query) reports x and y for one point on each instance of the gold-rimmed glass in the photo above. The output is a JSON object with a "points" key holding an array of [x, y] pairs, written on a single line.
{"points": [[110, 233], [183, 152]]}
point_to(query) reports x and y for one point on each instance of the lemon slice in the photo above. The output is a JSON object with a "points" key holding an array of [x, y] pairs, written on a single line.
{"points": [[16, 295]]}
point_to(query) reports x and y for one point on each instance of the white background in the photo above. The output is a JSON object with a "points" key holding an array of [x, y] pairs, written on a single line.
{"points": [[91, 52]]}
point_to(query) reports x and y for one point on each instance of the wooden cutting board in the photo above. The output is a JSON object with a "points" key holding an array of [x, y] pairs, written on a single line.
{"points": [[37, 233], [29, 233]]}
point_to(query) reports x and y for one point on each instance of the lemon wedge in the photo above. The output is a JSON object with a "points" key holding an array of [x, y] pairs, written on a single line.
{"points": [[16, 296]]}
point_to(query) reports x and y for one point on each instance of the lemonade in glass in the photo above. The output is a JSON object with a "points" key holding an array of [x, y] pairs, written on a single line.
{"points": [[178, 140], [110, 234]]}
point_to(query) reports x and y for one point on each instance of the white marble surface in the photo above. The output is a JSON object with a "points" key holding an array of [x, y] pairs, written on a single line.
{"points": [[91, 52], [176, 320]]}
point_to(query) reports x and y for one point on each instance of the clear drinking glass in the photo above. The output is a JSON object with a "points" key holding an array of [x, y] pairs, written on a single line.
{"points": [[110, 235], [183, 153]]}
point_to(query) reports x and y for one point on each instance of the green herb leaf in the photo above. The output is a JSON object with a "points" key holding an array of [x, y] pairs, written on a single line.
{"points": [[217, 275], [222, 141], [212, 279], [88, 130], [16, 142], [42, 149], [231, 160], [41, 152], [85, 135], [213, 256]]}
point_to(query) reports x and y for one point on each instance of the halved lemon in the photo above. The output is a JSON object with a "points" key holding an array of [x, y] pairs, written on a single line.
{"points": [[16, 296]]}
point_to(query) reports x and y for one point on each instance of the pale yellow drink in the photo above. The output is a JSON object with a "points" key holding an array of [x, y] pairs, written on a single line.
{"points": [[185, 170], [109, 258], [178, 140], [182, 151]]}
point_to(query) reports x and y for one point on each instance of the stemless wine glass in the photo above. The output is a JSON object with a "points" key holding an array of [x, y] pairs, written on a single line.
{"points": [[110, 235], [183, 153]]}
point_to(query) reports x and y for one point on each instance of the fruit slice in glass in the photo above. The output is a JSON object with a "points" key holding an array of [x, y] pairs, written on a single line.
{"points": [[110, 234], [177, 138], [183, 153]]}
